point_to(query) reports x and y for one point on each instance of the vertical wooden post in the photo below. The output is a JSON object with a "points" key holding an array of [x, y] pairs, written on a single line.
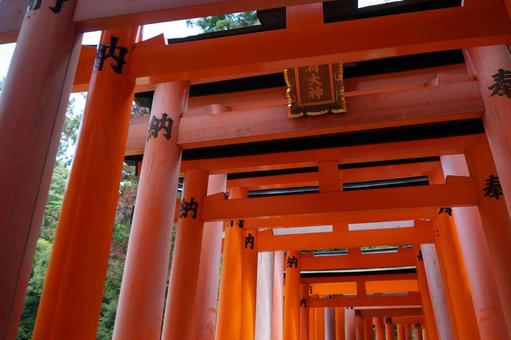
{"points": [[389, 329], [350, 324], [401, 331], [495, 219], [292, 297], [319, 327], [249, 284], [180, 305], [479, 269], [329, 323], [418, 332], [426, 297], [340, 324], [312, 324], [140, 309], [209, 270], [485, 62], [436, 290], [278, 287], [368, 328], [304, 312], [32, 109], [359, 324], [230, 305], [73, 288], [379, 328], [264, 296]]}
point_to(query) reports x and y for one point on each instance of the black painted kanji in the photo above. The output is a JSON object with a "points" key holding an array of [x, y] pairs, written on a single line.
{"points": [[156, 125], [240, 224], [226, 195], [419, 256], [229, 223], [110, 51], [58, 6], [388, 320], [185, 207], [502, 85], [448, 211], [303, 302], [292, 261], [249, 241], [493, 187]]}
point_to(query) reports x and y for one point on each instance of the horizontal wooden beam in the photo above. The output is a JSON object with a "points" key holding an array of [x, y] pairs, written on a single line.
{"points": [[351, 239], [379, 172], [408, 319], [372, 287], [360, 278], [456, 101], [343, 218], [376, 300], [402, 258], [430, 196], [389, 312], [346, 154], [355, 40]]}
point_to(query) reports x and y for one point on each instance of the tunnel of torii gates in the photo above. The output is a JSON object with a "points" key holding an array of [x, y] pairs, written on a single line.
{"points": [[297, 209]]}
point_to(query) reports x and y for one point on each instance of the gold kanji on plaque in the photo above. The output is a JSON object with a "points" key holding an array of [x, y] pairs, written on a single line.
{"points": [[315, 90]]}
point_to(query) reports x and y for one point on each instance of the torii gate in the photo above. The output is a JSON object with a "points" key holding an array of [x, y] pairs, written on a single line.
{"points": [[76, 274]]}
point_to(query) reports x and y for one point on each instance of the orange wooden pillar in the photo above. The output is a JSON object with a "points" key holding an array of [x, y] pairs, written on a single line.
{"points": [[206, 300], [449, 251], [319, 324], [495, 220], [292, 297], [329, 323], [368, 328], [350, 324], [408, 332], [32, 109], [359, 326], [249, 284], [401, 331], [230, 299], [379, 328], [427, 306], [340, 324], [304, 312], [418, 332], [140, 309], [180, 305], [77, 269], [278, 294], [479, 268], [312, 324], [485, 62], [389, 329]]}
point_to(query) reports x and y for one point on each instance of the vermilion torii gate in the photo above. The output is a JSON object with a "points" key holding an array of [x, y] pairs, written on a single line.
{"points": [[415, 145]]}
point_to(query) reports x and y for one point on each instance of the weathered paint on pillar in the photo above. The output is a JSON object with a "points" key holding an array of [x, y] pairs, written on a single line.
{"points": [[264, 295], [249, 284], [319, 327], [278, 294], [329, 323], [292, 297], [485, 62], [379, 328], [32, 109], [340, 322], [436, 290], [426, 297], [73, 288], [479, 268], [206, 300], [229, 304], [401, 332], [368, 328], [304, 312], [184, 273], [389, 329], [140, 309], [350, 324], [495, 219]]}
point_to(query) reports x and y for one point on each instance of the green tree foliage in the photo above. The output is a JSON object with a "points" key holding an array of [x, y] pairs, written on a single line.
{"points": [[224, 22]]}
